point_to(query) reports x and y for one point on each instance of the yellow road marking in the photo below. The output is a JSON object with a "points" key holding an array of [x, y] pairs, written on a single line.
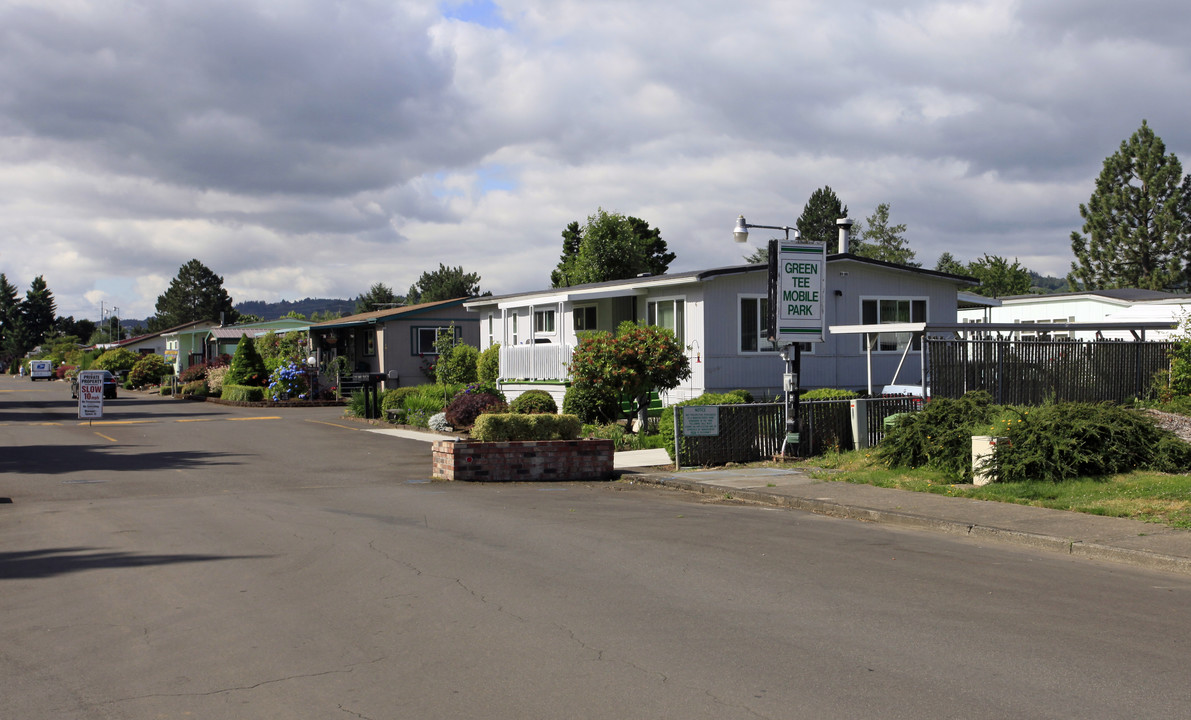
{"points": [[105, 437], [266, 417], [334, 424], [120, 422]]}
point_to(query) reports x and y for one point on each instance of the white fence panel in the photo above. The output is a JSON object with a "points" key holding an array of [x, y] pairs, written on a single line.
{"points": [[535, 362]]}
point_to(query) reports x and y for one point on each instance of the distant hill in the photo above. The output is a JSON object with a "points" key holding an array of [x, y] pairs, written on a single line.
{"points": [[307, 307], [1047, 284]]}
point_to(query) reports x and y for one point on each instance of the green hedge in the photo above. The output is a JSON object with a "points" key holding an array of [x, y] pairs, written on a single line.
{"points": [[505, 427], [198, 388], [829, 394], [242, 393]]}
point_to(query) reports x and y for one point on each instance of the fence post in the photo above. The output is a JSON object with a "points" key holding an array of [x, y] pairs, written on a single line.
{"points": [[677, 442], [859, 408]]}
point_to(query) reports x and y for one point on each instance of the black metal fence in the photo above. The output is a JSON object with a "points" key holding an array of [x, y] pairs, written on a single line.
{"points": [[752, 432], [1030, 372]]}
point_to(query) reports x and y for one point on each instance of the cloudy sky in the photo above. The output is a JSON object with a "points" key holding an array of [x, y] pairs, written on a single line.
{"points": [[311, 148]]}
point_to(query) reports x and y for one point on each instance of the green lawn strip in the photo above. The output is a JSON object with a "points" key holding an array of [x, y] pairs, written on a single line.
{"points": [[1147, 496]]}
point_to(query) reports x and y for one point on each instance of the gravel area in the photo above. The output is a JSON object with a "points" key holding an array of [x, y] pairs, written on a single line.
{"points": [[1178, 424]]}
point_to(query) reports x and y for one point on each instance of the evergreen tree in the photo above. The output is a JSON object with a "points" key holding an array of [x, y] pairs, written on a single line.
{"points": [[817, 221], [378, 297], [445, 283], [882, 241], [248, 367], [949, 264], [610, 246], [195, 294], [1137, 223], [37, 312], [11, 325]]}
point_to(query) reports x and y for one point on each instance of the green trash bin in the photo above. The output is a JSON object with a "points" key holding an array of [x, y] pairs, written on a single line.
{"points": [[891, 420]]}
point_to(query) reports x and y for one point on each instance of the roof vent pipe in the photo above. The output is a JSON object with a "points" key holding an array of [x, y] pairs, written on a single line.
{"points": [[845, 228]]}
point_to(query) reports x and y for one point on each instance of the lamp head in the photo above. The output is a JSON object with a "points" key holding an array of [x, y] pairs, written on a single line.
{"points": [[741, 233]]}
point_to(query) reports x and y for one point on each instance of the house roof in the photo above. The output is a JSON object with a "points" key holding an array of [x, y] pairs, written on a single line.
{"points": [[617, 287], [377, 316], [1124, 295]]}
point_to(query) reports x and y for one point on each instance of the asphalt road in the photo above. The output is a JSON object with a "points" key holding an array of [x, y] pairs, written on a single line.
{"points": [[184, 560]]}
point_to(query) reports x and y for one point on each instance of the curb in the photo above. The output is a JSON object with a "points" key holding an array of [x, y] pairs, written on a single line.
{"points": [[1039, 541]]}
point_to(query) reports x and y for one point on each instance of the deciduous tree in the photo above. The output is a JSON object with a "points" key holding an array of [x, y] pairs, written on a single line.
{"points": [[999, 278], [610, 246], [635, 361], [1137, 223]]}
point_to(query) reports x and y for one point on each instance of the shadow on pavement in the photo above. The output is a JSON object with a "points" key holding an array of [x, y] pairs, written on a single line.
{"points": [[55, 459], [24, 565]]}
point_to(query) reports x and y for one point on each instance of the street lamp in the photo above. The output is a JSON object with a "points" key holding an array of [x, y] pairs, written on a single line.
{"points": [[792, 360], [741, 233]]}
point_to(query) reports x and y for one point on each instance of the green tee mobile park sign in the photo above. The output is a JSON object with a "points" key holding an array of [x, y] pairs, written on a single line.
{"points": [[797, 285]]}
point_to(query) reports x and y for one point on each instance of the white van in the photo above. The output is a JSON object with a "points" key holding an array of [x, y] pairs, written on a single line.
{"points": [[41, 370]]}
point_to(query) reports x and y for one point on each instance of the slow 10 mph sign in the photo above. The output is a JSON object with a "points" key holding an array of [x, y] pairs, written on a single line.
{"points": [[797, 285], [91, 394]]}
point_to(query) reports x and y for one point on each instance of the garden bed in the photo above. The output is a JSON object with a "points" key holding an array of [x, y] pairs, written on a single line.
{"points": [[527, 460]]}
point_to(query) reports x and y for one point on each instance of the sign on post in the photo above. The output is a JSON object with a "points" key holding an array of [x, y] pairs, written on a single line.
{"points": [[797, 286], [90, 394], [700, 421]]}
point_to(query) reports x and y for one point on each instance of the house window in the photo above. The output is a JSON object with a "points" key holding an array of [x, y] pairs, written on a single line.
{"points": [[491, 330], [424, 339], [543, 321], [668, 314], [585, 318], [881, 311], [514, 328], [370, 344], [754, 321]]}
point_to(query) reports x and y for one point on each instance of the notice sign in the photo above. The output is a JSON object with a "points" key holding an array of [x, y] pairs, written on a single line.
{"points": [[91, 394], [797, 285], [700, 420]]}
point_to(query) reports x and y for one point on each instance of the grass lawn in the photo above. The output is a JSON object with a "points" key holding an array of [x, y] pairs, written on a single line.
{"points": [[1148, 496]]}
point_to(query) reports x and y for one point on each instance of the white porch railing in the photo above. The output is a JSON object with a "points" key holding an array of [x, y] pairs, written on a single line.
{"points": [[535, 362]]}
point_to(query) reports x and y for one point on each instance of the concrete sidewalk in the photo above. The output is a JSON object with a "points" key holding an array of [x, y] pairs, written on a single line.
{"points": [[1147, 545]]}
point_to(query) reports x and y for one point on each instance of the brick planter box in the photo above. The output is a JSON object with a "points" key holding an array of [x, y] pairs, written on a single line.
{"points": [[525, 460]]}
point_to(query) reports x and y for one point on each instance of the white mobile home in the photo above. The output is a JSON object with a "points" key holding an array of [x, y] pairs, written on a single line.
{"points": [[719, 316]]}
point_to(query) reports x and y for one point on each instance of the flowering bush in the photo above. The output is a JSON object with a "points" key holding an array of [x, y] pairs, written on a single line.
{"points": [[288, 381]]}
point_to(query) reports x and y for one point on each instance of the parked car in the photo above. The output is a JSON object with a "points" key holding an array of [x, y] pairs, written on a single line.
{"points": [[110, 383]]}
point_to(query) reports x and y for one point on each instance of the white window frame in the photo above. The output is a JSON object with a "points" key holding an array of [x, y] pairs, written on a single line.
{"points": [[894, 342], [491, 330], [543, 321], [581, 312], [651, 315], [513, 327]]}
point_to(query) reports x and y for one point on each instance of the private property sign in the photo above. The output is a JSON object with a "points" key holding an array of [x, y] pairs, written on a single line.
{"points": [[91, 394], [797, 285]]}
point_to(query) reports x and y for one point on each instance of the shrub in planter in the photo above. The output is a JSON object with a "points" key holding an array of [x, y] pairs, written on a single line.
{"points": [[242, 393], [829, 394], [592, 404], [467, 406], [198, 388], [506, 427], [533, 401]]}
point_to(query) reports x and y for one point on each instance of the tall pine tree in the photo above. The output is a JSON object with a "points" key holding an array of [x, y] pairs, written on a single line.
{"points": [[881, 241], [38, 311], [195, 294], [1137, 224], [11, 325], [817, 221]]}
